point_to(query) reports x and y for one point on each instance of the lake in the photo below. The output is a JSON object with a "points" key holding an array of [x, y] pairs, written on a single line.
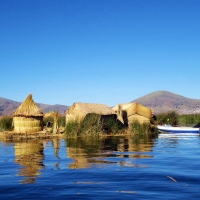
{"points": [[123, 167]]}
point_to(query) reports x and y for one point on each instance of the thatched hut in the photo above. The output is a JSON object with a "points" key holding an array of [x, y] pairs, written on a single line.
{"points": [[79, 110], [129, 112], [28, 118]]}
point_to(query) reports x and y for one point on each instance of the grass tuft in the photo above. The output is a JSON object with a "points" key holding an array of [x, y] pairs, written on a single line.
{"points": [[94, 125], [174, 119], [137, 128], [170, 117], [6, 123], [72, 128]]}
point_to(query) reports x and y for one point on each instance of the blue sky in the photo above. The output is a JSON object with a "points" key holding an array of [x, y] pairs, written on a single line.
{"points": [[98, 51]]}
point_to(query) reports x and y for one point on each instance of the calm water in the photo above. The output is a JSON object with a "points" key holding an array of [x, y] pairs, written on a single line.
{"points": [[167, 167]]}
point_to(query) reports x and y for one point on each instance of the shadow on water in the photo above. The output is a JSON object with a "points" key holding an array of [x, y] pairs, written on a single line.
{"points": [[89, 152]]}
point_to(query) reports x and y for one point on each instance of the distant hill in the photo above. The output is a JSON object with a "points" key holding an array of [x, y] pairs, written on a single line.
{"points": [[8, 106], [159, 102], [164, 101]]}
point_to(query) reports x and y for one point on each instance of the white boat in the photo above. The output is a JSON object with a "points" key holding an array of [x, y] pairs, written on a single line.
{"points": [[181, 129]]}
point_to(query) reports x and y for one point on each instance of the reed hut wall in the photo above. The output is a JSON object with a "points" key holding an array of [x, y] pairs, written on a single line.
{"points": [[129, 112], [28, 118], [139, 118], [27, 124], [136, 108]]}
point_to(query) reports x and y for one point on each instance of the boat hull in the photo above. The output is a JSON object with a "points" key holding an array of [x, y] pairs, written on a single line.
{"points": [[171, 129]]}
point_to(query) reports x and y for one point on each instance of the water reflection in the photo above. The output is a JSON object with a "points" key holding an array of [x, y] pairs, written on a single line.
{"points": [[116, 168], [173, 140], [56, 146], [79, 153], [95, 151], [29, 154]]}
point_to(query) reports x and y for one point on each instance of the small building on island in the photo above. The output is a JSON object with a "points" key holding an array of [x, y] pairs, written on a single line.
{"points": [[78, 111], [129, 112], [28, 118]]}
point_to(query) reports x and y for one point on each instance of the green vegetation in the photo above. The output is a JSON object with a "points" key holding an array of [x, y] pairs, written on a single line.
{"points": [[189, 120], [6, 123], [90, 125], [174, 119], [47, 119], [72, 128], [94, 125], [170, 117], [61, 121], [137, 128]]}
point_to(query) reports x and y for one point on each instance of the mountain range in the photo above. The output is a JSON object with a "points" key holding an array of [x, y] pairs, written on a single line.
{"points": [[164, 101], [158, 102], [8, 106]]}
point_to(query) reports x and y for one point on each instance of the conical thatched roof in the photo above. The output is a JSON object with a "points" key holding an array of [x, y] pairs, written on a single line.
{"points": [[28, 108]]}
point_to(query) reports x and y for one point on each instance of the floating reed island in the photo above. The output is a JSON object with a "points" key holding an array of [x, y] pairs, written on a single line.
{"points": [[81, 119], [28, 123], [99, 119]]}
